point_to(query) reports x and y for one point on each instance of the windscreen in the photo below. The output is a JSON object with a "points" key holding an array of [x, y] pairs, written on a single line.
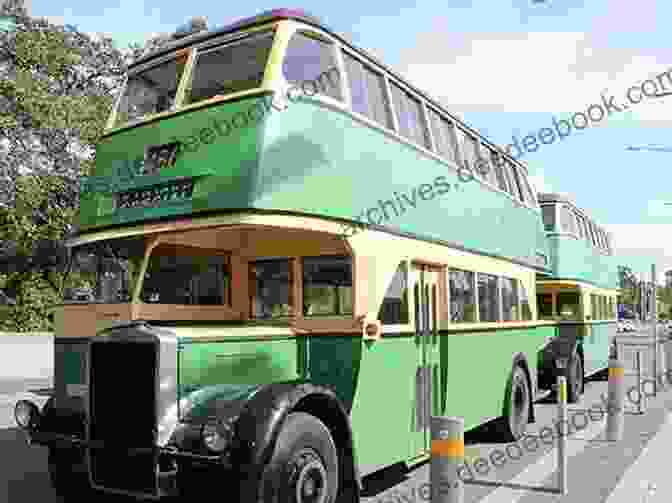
{"points": [[150, 91], [226, 68], [230, 67]]}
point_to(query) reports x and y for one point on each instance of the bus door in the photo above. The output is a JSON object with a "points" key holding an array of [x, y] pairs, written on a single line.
{"points": [[425, 302]]}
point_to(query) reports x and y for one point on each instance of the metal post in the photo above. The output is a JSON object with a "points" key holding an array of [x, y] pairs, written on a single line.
{"points": [[654, 329], [640, 395], [447, 457], [667, 347], [562, 436], [616, 396]]}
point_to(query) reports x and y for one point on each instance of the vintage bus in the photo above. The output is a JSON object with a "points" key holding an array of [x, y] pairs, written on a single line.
{"points": [[238, 333], [581, 295]]}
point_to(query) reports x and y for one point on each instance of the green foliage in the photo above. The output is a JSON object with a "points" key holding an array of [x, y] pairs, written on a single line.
{"points": [[34, 297], [57, 87]]}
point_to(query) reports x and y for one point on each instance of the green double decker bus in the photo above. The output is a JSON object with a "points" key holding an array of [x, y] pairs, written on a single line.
{"points": [[289, 277], [581, 294]]}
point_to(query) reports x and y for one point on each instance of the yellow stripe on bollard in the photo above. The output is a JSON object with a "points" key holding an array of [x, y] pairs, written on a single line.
{"points": [[616, 372], [563, 392], [448, 448]]}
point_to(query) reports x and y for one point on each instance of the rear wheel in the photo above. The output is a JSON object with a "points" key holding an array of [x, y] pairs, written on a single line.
{"points": [[513, 425], [304, 464]]}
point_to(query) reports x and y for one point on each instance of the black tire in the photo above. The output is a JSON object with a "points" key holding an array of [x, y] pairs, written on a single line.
{"points": [[575, 380], [69, 485], [304, 464], [513, 425]]}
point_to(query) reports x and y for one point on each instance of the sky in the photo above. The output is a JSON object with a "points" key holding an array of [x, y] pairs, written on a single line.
{"points": [[509, 68]]}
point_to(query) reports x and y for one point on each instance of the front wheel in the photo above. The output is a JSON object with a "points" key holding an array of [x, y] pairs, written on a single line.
{"points": [[575, 379], [304, 464]]}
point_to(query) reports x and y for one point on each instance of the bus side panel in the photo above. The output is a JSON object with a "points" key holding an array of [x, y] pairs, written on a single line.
{"points": [[383, 407], [596, 345], [479, 365]]}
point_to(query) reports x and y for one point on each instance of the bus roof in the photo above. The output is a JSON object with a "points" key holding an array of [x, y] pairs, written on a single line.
{"points": [[264, 17], [303, 16]]}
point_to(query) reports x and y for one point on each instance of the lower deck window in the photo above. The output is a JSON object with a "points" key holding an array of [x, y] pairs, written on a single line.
{"points": [[509, 300], [462, 296], [271, 285], [525, 304], [488, 298], [327, 286], [394, 310]]}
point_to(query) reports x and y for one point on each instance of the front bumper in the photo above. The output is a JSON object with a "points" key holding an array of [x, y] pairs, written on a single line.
{"points": [[172, 466]]}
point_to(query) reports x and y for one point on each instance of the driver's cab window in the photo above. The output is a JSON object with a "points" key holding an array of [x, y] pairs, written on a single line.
{"points": [[569, 306], [188, 276]]}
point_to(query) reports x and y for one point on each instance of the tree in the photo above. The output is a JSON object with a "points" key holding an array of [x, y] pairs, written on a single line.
{"points": [[57, 86]]}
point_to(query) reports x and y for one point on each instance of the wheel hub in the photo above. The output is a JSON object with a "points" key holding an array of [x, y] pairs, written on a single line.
{"points": [[310, 479]]}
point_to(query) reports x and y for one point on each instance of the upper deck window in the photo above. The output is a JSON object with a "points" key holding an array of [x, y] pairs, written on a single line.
{"points": [[498, 164], [579, 225], [444, 136], [548, 214], [310, 62], [150, 91], [515, 182], [230, 68], [567, 221], [527, 189], [367, 89], [593, 233], [327, 286], [484, 165], [409, 116]]}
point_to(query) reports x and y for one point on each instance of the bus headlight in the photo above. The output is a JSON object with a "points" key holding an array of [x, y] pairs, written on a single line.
{"points": [[217, 436], [26, 414]]}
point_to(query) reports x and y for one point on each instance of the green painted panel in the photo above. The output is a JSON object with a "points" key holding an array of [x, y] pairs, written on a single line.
{"points": [[238, 362], [596, 345], [334, 362], [576, 259], [473, 371], [315, 160], [225, 159]]}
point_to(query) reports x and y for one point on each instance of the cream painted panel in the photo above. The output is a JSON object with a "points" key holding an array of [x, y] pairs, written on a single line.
{"points": [[388, 250]]}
